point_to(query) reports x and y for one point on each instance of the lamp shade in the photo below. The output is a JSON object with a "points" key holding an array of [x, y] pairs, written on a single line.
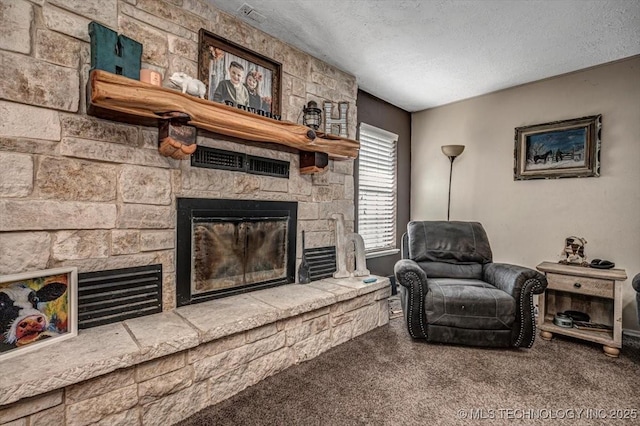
{"points": [[452, 150]]}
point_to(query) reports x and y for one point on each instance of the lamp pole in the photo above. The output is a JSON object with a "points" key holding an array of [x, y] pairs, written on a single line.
{"points": [[451, 151]]}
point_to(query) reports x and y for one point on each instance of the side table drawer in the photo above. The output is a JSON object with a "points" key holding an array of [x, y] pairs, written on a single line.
{"points": [[582, 285]]}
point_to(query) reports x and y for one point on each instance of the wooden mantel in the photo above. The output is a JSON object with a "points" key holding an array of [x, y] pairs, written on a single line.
{"points": [[120, 98]]}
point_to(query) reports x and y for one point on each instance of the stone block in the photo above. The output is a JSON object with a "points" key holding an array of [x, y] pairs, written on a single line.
{"points": [[102, 11], [89, 410], [85, 127], [157, 240], [166, 384], [349, 188], [179, 63], [201, 8], [39, 83], [143, 216], [312, 347], [343, 167], [308, 211], [64, 22], [260, 333], [72, 180], [183, 47], [57, 48], [168, 291], [220, 364], [294, 299], [306, 330], [341, 333], [16, 175], [273, 184], [99, 386], [51, 416], [160, 366], [16, 17], [28, 146], [36, 215], [24, 251], [154, 21], [383, 312], [83, 244], [365, 319], [19, 422], [111, 262], [113, 153], [320, 239], [124, 242], [150, 138], [345, 207], [207, 179], [162, 334], [125, 418], [175, 407], [154, 41], [145, 185], [353, 304], [216, 347], [15, 121], [245, 184], [30, 406], [229, 315], [172, 14]]}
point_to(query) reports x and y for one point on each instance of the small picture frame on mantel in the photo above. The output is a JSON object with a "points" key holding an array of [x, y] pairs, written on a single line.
{"points": [[560, 149], [37, 309]]}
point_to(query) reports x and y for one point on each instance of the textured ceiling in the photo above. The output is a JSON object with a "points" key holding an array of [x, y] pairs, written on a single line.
{"points": [[421, 54]]}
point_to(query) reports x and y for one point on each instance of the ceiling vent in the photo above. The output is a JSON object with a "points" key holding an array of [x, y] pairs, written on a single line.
{"points": [[250, 13]]}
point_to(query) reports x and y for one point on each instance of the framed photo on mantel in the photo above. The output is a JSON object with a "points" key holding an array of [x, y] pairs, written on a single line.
{"points": [[560, 149], [238, 76]]}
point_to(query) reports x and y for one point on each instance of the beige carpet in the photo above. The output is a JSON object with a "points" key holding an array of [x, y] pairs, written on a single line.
{"points": [[386, 378]]}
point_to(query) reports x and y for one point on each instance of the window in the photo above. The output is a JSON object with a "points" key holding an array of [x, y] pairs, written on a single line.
{"points": [[377, 189]]}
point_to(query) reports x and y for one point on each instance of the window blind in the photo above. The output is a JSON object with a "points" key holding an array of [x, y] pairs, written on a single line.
{"points": [[377, 188]]}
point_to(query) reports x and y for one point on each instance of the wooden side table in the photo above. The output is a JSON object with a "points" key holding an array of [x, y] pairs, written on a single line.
{"points": [[596, 292]]}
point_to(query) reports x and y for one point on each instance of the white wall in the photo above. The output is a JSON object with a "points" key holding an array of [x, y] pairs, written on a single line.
{"points": [[527, 221]]}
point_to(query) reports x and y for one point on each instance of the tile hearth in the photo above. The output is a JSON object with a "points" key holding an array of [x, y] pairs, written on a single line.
{"points": [[167, 366]]}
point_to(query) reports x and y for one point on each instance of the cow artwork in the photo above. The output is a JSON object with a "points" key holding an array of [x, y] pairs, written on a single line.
{"points": [[33, 310]]}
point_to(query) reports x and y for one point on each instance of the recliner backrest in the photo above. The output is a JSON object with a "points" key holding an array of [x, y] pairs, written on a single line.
{"points": [[457, 249]]}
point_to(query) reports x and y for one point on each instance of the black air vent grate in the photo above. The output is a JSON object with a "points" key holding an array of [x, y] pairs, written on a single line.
{"points": [[268, 166], [212, 158], [115, 295], [322, 262], [217, 159]]}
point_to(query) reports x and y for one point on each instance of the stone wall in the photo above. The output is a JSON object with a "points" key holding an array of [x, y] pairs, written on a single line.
{"points": [[81, 191]]}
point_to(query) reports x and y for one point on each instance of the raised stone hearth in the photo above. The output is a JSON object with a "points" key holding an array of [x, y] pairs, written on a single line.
{"points": [[160, 369]]}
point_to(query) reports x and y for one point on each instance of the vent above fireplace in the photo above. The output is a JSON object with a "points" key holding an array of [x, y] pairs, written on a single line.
{"points": [[228, 160], [227, 247]]}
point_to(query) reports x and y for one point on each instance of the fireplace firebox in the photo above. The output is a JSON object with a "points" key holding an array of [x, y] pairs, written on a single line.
{"points": [[227, 247]]}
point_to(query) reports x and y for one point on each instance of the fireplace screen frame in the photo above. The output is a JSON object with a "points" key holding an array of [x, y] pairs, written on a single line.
{"points": [[190, 209]]}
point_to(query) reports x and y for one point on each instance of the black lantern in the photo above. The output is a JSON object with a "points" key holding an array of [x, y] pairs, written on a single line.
{"points": [[312, 115]]}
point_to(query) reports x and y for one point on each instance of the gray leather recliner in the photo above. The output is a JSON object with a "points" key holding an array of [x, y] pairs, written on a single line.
{"points": [[636, 286], [452, 292]]}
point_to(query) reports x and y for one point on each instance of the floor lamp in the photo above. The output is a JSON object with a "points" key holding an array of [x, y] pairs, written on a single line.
{"points": [[451, 151]]}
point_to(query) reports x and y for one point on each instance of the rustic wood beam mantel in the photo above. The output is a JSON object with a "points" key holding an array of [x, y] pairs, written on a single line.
{"points": [[122, 99]]}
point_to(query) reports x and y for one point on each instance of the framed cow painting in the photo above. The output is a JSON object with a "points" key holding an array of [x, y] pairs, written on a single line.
{"points": [[37, 309]]}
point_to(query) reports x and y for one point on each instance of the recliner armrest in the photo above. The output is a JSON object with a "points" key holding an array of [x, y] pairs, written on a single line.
{"points": [[407, 272], [512, 278]]}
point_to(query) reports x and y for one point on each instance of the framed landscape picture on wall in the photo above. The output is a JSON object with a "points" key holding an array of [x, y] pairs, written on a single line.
{"points": [[37, 309], [560, 149], [238, 76]]}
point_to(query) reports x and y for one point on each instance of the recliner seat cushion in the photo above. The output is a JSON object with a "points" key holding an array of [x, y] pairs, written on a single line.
{"points": [[468, 303]]}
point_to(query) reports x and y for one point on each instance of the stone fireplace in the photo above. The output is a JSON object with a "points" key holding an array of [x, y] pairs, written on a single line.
{"points": [[81, 191], [227, 247]]}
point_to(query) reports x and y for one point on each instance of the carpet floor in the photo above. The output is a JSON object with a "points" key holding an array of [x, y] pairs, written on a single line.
{"points": [[386, 378]]}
